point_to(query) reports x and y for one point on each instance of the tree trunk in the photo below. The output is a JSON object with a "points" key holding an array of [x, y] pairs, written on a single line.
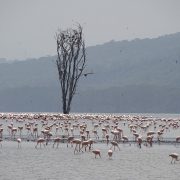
{"points": [[70, 63]]}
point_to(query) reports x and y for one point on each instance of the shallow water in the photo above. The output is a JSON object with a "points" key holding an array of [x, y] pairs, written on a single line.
{"points": [[61, 163], [130, 163]]}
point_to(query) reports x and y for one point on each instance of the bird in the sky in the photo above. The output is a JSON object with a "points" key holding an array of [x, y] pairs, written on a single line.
{"points": [[88, 74]]}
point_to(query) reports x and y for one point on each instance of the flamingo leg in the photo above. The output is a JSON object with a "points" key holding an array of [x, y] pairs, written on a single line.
{"points": [[75, 149], [53, 144]]}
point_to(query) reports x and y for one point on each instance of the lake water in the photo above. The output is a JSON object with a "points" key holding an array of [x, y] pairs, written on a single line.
{"points": [[48, 163], [130, 163]]}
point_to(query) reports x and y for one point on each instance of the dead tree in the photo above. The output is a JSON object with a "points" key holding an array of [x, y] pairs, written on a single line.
{"points": [[71, 60]]}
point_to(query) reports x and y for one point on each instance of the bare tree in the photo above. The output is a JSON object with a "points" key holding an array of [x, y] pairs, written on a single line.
{"points": [[71, 59]]}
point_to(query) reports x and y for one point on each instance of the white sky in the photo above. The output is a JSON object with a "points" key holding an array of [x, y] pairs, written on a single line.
{"points": [[27, 27]]}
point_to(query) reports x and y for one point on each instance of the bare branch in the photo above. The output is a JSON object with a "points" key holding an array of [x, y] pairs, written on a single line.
{"points": [[71, 60]]}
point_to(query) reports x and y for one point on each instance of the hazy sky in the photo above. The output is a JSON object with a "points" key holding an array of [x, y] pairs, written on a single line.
{"points": [[27, 27]]}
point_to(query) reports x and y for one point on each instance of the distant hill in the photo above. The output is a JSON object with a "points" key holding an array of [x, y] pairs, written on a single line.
{"points": [[129, 76]]}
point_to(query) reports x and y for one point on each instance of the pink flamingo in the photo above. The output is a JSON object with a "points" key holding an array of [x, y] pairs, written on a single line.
{"points": [[95, 134], [174, 157], [110, 153], [35, 132], [139, 141], [115, 144], [57, 140], [40, 141], [69, 140], [149, 139], [13, 132], [125, 139], [97, 152], [78, 144], [85, 144], [19, 142], [90, 143], [20, 128], [107, 139], [104, 132]]}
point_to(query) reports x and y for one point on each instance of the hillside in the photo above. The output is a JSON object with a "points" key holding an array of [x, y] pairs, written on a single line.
{"points": [[129, 76]]}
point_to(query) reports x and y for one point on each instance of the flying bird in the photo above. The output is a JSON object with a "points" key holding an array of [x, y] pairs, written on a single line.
{"points": [[88, 74]]}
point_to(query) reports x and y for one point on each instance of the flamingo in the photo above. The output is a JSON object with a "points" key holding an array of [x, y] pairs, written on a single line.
{"points": [[57, 140], [97, 152], [57, 129], [40, 141], [139, 141], [174, 157], [10, 128], [85, 144], [178, 139], [90, 143], [107, 138], [78, 143], [72, 131], [110, 153], [13, 132], [149, 139], [95, 134], [19, 142], [104, 132], [136, 135], [115, 144], [150, 133], [35, 132], [87, 134], [116, 134], [125, 139], [20, 128], [69, 140], [160, 133]]}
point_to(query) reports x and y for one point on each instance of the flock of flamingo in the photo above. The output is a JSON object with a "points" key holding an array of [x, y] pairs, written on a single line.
{"points": [[81, 131]]}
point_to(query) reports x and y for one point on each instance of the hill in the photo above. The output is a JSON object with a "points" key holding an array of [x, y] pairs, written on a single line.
{"points": [[129, 76]]}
